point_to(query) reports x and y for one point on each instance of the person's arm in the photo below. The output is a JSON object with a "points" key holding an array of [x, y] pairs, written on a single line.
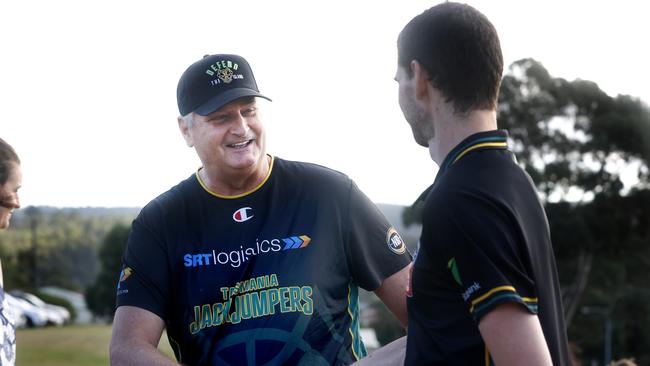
{"points": [[136, 333], [514, 336], [392, 292]]}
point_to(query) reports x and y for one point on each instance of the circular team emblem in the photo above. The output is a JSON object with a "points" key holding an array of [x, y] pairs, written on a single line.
{"points": [[395, 242]]}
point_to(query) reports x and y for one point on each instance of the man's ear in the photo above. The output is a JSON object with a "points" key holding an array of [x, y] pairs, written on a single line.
{"points": [[183, 125], [421, 80]]}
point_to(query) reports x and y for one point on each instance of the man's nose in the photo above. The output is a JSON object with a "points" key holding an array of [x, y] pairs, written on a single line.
{"points": [[240, 126]]}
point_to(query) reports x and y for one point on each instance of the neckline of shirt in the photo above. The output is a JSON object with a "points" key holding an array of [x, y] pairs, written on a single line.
{"points": [[253, 190], [494, 139]]}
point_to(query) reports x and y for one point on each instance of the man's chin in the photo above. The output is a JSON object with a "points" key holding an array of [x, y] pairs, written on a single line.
{"points": [[421, 141], [244, 162]]}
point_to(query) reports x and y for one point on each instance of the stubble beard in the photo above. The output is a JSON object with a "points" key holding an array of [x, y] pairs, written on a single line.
{"points": [[421, 125]]}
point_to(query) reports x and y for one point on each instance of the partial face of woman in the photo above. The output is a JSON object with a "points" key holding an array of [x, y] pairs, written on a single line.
{"points": [[9, 200]]}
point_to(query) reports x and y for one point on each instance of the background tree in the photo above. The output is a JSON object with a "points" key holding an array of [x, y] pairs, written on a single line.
{"points": [[572, 134], [101, 295], [67, 252], [579, 145]]}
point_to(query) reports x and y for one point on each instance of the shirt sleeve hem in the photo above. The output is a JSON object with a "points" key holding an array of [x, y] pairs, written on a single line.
{"points": [[484, 305]]}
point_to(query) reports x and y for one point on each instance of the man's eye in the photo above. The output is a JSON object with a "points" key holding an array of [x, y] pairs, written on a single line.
{"points": [[219, 119], [249, 111]]}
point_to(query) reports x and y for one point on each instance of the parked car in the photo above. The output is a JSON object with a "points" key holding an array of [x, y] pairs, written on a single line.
{"points": [[26, 314], [56, 315], [76, 300]]}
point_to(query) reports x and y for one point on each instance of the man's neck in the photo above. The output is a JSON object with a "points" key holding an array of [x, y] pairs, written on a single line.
{"points": [[452, 128], [236, 182]]}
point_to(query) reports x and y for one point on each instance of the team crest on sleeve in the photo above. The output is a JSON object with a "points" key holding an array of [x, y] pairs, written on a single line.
{"points": [[395, 242], [124, 275], [126, 272]]}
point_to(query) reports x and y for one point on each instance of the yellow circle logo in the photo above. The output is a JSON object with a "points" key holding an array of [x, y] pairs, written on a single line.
{"points": [[395, 242]]}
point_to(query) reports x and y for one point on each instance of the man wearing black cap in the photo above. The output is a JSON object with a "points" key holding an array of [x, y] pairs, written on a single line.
{"points": [[253, 259], [484, 287]]}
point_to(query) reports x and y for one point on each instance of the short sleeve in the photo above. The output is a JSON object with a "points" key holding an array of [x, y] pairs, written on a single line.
{"points": [[144, 280], [485, 253], [375, 249]]}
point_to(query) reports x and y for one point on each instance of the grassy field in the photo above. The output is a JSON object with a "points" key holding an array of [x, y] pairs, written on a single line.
{"points": [[70, 346]]}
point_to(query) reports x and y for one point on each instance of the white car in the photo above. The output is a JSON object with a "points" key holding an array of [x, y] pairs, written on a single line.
{"points": [[25, 314], [76, 300], [56, 315]]}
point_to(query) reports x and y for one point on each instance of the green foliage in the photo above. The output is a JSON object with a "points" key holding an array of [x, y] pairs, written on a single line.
{"points": [[617, 230], [48, 246], [101, 295], [572, 135], [413, 214]]}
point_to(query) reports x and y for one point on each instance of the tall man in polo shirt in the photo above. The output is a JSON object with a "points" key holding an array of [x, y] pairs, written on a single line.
{"points": [[252, 260], [484, 287]]}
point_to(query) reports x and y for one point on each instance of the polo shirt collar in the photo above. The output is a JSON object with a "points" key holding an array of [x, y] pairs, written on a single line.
{"points": [[488, 140], [494, 139]]}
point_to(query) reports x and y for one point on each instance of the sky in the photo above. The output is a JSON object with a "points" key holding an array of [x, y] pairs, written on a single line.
{"points": [[88, 88]]}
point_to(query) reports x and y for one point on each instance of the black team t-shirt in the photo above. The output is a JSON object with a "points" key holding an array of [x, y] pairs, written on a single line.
{"points": [[485, 241], [268, 277]]}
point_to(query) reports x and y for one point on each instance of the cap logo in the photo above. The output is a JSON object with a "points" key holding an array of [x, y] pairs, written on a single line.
{"points": [[225, 75], [223, 64], [225, 72]]}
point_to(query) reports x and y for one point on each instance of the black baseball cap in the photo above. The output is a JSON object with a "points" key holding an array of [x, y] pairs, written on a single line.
{"points": [[213, 82]]}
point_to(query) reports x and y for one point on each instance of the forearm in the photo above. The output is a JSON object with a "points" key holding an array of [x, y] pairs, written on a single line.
{"points": [[514, 337], [136, 333], [392, 293]]}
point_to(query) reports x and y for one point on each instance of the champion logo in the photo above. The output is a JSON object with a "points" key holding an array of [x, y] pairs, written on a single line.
{"points": [[243, 214]]}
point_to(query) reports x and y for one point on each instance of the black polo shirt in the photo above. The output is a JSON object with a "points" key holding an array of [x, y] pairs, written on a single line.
{"points": [[269, 277], [485, 241]]}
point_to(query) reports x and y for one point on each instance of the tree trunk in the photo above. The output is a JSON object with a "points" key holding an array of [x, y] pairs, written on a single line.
{"points": [[574, 292]]}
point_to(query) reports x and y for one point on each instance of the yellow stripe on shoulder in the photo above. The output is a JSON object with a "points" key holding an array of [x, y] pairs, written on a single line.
{"points": [[474, 147]]}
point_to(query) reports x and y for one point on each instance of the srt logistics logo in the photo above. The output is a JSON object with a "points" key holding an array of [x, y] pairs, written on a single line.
{"points": [[235, 258]]}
